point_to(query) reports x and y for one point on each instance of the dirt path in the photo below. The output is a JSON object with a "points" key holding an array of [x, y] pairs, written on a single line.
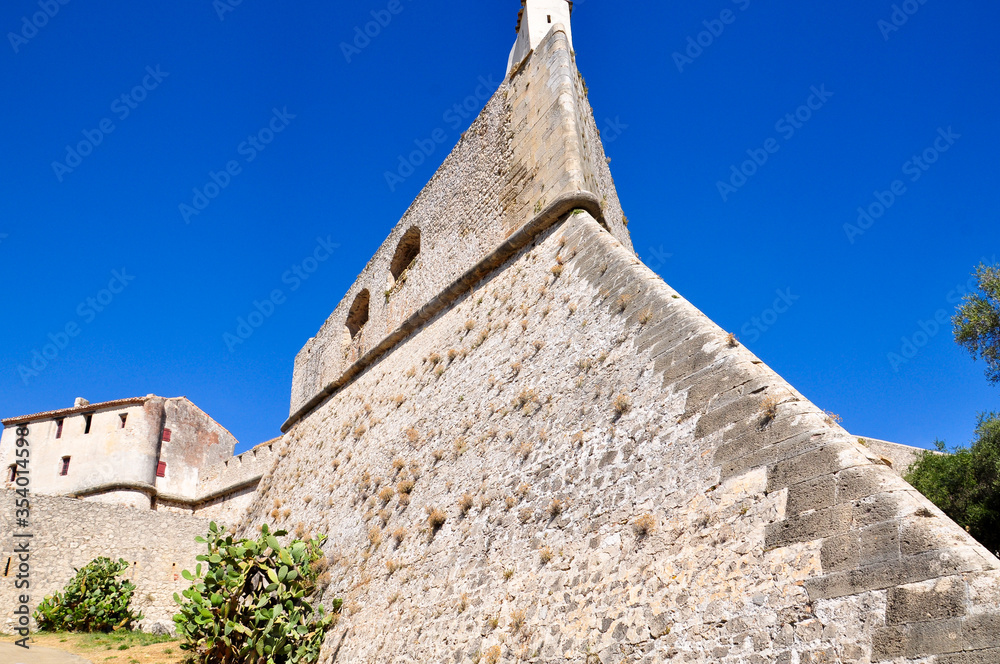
{"points": [[12, 654]]}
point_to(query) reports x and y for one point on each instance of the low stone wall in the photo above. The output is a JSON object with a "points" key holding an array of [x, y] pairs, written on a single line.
{"points": [[69, 533], [617, 482], [896, 456]]}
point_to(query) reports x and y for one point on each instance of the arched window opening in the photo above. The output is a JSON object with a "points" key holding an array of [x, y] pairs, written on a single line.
{"points": [[358, 315], [406, 252]]}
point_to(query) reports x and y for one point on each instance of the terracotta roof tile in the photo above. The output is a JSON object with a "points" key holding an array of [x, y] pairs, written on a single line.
{"points": [[50, 414]]}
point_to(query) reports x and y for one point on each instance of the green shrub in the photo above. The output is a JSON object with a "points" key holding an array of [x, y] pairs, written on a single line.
{"points": [[977, 320], [253, 603], [966, 483], [96, 600]]}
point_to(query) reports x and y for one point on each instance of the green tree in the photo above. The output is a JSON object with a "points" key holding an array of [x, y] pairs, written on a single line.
{"points": [[977, 321], [253, 603], [95, 600], [966, 483]]}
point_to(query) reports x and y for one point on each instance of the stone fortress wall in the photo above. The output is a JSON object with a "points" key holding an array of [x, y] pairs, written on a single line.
{"points": [[226, 489], [615, 485], [69, 533], [112, 503], [534, 148], [561, 459]]}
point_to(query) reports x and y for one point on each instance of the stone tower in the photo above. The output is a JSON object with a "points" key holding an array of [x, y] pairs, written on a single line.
{"points": [[535, 20], [526, 447]]}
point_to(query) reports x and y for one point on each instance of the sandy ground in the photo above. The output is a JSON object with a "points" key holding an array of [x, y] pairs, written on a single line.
{"points": [[84, 649]]}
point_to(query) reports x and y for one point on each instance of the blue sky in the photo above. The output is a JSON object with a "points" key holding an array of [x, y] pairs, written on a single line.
{"points": [[200, 78]]}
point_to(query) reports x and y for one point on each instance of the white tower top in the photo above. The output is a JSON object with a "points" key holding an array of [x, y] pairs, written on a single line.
{"points": [[534, 22]]}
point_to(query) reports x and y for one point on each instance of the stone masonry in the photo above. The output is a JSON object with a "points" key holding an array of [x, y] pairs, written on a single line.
{"points": [[69, 533], [529, 448], [620, 483]]}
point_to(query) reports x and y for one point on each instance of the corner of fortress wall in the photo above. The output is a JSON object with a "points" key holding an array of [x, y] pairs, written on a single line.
{"points": [[69, 533], [614, 487], [534, 143]]}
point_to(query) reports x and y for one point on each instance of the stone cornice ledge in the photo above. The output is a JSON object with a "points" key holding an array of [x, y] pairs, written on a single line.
{"points": [[153, 492], [141, 487], [519, 239]]}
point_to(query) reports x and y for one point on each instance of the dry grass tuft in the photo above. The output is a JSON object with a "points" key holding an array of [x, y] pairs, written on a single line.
{"points": [[465, 503], [435, 518], [644, 525], [622, 404], [556, 508], [768, 409], [832, 418]]}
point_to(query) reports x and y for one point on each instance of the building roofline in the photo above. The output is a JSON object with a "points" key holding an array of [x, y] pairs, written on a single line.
{"points": [[50, 414]]}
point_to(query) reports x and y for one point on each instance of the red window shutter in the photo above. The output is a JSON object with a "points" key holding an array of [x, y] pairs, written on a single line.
{"points": [[166, 435], [161, 469]]}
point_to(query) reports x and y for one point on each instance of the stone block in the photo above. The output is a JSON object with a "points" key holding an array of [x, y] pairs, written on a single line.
{"points": [[934, 638], [866, 480], [880, 543], [881, 576], [926, 532], [841, 552], [982, 631], [991, 656], [888, 643], [880, 508], [807, 527], [925, 601], [825, 459], [815, 494]]}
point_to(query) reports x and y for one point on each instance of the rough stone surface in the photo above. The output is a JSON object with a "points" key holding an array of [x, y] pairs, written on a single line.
{"points": [[70, 533], [613, 491], [535, 140]]}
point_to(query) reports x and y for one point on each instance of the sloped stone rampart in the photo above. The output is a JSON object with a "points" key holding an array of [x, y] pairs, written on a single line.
{"points": [[534, 143], [619, 482]]}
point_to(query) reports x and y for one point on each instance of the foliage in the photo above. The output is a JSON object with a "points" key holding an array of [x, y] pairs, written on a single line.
{"points": [[977, 321], [966, 483], [252, 604], [95, 600]]}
